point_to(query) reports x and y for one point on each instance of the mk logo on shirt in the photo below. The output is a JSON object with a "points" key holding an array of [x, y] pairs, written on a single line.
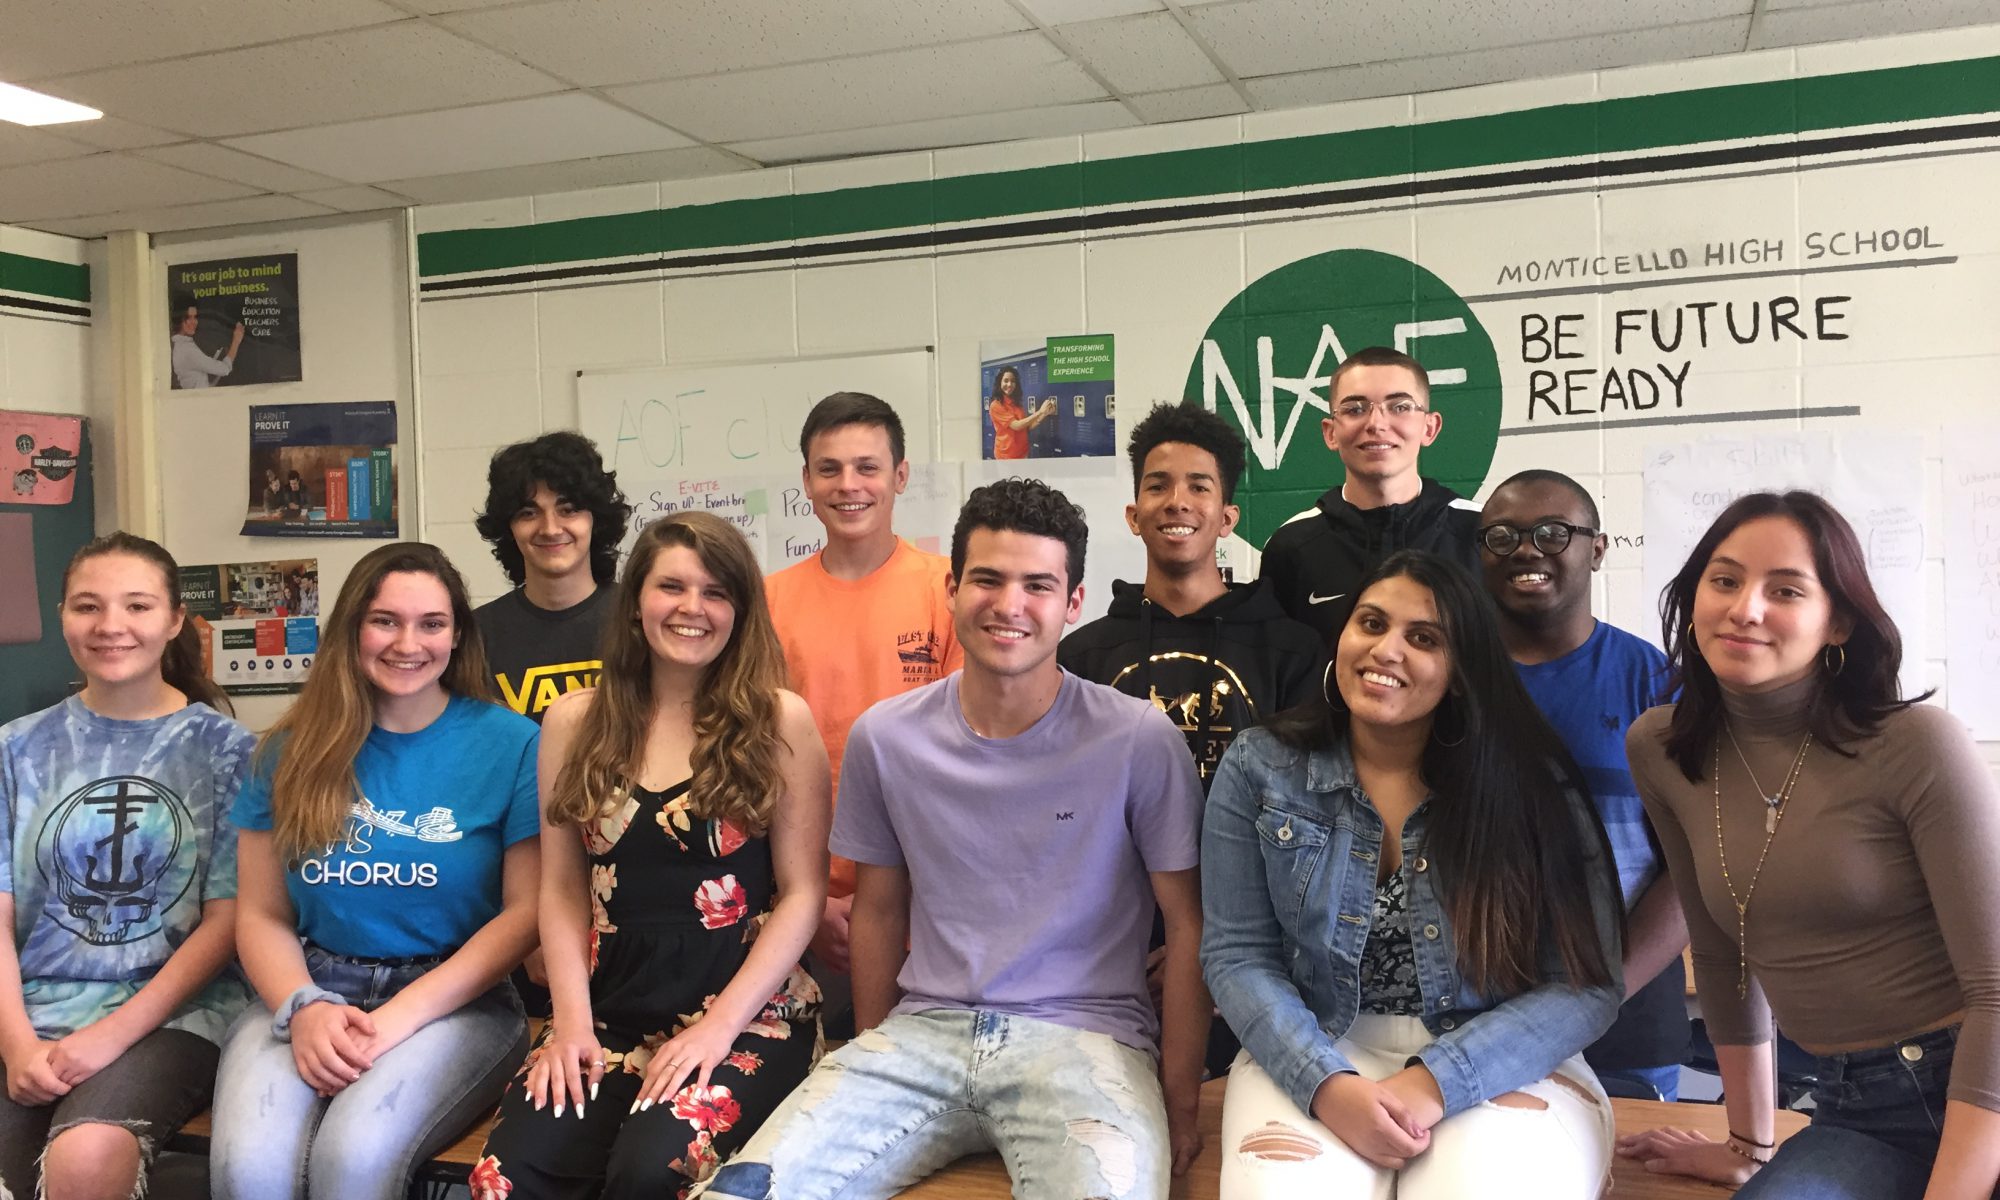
{"points": [[541, 685]]}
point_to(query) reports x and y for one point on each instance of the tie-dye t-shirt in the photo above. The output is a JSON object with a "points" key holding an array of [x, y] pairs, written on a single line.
{"points": [[116, 834]]}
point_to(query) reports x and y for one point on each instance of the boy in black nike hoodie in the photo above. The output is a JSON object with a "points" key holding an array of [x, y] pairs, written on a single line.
{"points": [[1379, 420], [1216, 657]]}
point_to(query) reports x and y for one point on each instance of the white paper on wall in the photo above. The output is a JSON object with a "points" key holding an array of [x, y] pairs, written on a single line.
{"points": [[1875, 480], [1972, 577], [774, 513]]}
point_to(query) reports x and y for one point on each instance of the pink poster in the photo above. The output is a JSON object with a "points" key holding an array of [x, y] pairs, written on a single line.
{"points": [[38, 457]]}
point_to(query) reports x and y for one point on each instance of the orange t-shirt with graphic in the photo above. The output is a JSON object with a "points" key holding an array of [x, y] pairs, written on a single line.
{"points": [[850, 643]]}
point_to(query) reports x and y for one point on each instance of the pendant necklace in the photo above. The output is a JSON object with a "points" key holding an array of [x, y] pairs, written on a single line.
{"points": [[1774, 812]]}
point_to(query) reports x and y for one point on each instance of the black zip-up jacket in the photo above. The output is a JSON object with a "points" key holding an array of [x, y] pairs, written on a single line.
{"points": [[1315, 561], [1215, 672]]}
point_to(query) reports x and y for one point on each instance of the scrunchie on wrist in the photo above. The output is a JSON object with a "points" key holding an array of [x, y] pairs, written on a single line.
{"points": [[312, 993]]}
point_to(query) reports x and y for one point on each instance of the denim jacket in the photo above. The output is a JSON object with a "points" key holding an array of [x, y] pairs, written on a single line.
{"points": [[1288, 865]]}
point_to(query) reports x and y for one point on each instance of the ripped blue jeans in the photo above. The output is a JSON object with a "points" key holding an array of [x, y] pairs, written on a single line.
{"points": [[1072, 1114]]}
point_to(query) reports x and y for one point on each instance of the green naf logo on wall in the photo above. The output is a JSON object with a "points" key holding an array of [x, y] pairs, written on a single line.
{"points": [[1268, 358]]}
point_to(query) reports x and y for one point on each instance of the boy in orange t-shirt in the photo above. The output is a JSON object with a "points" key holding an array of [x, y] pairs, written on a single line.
{"points": [[866, 617]]}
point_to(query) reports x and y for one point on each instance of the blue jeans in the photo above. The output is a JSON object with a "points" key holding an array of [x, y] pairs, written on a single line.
{"points": [[1664, 1080], [1071, 1113], [1876, 1124], [274, 1136]]}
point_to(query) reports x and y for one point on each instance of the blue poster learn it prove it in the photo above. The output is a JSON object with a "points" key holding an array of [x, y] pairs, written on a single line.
{"points": [[322, 470]]}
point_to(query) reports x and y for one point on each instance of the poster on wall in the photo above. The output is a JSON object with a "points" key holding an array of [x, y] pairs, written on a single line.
{"points": [[234, 321], [259, 622], [322, 470], [38, 456], [1052, 398]]}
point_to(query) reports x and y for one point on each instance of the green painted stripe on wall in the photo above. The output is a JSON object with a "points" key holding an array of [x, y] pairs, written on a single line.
{"points": [[1775, 108], [44, 277]]}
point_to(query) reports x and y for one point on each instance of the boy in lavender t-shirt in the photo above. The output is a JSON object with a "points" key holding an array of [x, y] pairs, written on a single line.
{"points": [[1013, 827]]}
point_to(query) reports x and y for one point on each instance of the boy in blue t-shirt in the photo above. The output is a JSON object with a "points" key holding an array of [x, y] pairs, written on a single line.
{"points": [[1540, 543]]}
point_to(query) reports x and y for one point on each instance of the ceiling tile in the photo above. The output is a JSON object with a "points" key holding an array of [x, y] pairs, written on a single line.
{"points": [[206, 158], [568, 176], [1064, 12], [102, 183], [1188, 104], [247, 211], [1146, 53], [949, 131], [1539, 61], [512, 133], [451, 6], [1268, 37], [355, 199], [942, 81], [338, 77], [110, 133], [61, 37], [1795, 26], [623, 41], [21, 144]]}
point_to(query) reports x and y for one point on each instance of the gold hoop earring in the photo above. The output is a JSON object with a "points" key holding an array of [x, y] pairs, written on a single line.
{"points": [[1833, 666]]}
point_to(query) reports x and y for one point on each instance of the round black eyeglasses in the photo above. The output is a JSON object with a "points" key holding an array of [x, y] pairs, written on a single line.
{"points": [[1550, 537]]}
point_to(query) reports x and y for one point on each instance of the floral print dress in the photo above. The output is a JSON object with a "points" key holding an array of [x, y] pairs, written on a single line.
{"points": [[675, 902]]}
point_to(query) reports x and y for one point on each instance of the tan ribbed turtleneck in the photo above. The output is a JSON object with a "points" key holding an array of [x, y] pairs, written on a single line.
{"points": [[1878, 911]]}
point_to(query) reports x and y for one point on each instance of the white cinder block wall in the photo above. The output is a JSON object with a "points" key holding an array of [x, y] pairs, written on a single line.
{"points": [[1922, 352]]}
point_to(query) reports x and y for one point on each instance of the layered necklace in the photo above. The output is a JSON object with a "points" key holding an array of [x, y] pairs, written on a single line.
{"points": [[1774, 812]]}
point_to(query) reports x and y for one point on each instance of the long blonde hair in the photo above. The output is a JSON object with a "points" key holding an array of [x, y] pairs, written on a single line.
{"points": [[313, 786], [736, 742]]}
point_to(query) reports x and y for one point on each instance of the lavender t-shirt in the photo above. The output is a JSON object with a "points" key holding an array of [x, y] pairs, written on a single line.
{"points": [[1028, 856]]}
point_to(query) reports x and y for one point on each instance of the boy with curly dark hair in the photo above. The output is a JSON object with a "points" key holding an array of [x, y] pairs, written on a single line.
{"points": [[1012, 828]]}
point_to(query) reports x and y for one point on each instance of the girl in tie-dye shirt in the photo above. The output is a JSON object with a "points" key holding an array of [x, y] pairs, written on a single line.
{"points": [[117, 886]]}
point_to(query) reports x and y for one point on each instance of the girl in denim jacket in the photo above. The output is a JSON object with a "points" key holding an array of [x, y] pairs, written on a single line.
{"points": [[1411, 921]]}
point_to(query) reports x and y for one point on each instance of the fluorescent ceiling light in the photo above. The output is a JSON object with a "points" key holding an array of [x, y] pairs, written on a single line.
{"points": [[23, 107]]}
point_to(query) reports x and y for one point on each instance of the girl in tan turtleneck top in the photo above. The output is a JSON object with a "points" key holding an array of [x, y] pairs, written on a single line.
{"points": [[1837, 852]]}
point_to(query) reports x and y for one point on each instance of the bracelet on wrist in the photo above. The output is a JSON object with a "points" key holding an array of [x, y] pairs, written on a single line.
{"points": [[1750, 1141], [1736, 1148]]}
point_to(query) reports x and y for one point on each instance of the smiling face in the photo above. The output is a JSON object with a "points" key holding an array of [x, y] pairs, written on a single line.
{"points": [[1392, 664], [1761, 615], [407, 635], [685, 612], [1010, 382], [852, 479], [1530, 587], [1379, 445], [117, 619], [1010, 603], [553, 534], [1179, 512]]}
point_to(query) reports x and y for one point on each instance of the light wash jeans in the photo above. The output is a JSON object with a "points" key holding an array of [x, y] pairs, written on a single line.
{"points": [[1560, 1150], [275, 1137], [1071, 1113]]}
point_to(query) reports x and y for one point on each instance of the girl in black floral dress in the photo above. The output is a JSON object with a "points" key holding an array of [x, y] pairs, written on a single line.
{"points": [[685, 812]]}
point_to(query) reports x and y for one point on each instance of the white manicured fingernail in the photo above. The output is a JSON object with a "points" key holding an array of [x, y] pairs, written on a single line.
{"points": [[593, 1090], [579, 1110], [633, 1109], [647, 1105], [559, 1108]]}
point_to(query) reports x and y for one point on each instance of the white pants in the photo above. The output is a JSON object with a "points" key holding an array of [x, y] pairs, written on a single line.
{"points": [[1557, 1148]]}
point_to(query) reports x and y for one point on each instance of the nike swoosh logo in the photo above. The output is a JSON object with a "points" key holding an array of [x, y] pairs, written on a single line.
{"points": [[1316, 598]]}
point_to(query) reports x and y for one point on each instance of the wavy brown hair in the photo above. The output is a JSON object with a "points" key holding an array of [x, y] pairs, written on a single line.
{"points": [[312, 786], [182, 664], [1849, 703], [736, 741]]}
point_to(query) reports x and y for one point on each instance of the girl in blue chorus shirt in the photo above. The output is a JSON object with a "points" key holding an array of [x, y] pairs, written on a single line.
{"points": [[117, 887], [389, 865]]}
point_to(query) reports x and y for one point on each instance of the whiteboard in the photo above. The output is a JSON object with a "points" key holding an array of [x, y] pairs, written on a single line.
{"points": [[1876, 481], [744, 418], [772, 510], [1972, 576]]}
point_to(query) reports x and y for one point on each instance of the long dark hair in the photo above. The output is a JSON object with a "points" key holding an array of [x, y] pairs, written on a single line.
{"points": [[1851, 702], [181, 661], [1505, 829]]}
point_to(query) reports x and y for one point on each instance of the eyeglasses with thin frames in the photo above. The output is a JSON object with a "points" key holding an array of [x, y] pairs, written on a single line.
{"points": [[1398, 408], [1550, 537]]}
